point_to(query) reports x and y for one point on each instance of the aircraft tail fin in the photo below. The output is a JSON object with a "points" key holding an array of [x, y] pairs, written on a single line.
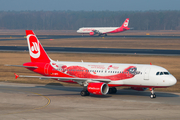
{"points": [[36, 51], [126, 22]]}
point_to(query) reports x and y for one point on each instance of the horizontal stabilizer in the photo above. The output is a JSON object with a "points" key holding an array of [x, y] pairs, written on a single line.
{"points": [[16, 76], [132, 28], [22, 66]]}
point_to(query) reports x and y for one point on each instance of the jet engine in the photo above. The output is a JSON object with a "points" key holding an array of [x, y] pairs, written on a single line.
{"points": [[139, 88], [98, 88], [91, 33]]}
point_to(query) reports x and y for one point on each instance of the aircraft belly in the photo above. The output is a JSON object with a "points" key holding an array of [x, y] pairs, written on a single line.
{"points": [[132, 81]]}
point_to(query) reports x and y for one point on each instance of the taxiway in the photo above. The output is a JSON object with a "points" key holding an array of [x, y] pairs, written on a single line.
{"points": [[35, 101]]}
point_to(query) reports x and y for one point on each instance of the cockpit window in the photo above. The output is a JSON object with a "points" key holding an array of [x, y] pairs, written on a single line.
{"points": [[162, 73], [166, 73]]}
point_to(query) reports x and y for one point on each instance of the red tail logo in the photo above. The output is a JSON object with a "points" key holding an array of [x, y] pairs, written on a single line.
{"points": [[33, 46], [126, 22]]}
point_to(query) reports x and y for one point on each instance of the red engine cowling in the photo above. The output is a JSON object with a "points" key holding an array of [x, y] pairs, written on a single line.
{"points": [[139, 88], [91, 33], [98, 88]]}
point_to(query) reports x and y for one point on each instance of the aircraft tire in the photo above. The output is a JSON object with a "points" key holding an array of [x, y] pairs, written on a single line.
{"points": [[112, 90], [153, 96], [87, 93], [83, 93]]}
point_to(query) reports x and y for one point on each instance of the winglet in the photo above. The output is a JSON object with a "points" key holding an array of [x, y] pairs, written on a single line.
{"points": [[16, 76], [150, 63]]}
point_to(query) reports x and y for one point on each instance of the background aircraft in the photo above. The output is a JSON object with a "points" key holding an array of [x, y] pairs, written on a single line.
{"points": [[96, 78], [104, 30]]}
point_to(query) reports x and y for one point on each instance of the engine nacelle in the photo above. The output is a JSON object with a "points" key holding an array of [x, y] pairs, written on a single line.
{"points": [[91, 33], [139, 88], [98, 88]]}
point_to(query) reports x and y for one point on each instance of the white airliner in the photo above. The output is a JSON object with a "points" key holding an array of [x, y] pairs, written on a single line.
{"points": [[104, 30], [96, 78]]}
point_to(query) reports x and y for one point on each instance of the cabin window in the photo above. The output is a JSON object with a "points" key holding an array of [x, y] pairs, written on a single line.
{"points": [[161, 73], [157, 73]]}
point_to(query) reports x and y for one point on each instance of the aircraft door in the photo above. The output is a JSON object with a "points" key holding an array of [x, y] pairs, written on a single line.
{"points": [[146, 73]]}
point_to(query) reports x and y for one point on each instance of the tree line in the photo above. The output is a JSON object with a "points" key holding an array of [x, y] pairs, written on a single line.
{"points": [[72, 20]]}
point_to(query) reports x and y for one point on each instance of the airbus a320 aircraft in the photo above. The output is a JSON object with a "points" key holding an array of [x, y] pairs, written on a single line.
{"points": [[104, 30], [96, 78]]}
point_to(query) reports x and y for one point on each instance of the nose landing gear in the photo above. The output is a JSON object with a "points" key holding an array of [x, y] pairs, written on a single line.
{"points": [[153, 95]]}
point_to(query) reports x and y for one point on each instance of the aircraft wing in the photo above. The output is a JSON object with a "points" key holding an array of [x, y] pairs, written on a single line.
{"points": [[67, 78]]}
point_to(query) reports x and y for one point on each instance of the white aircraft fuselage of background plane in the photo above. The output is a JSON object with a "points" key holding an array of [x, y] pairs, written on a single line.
{"points": [[104, 30]]}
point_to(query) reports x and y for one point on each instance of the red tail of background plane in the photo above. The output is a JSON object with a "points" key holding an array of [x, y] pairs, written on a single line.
{"points": [[125, 24]]}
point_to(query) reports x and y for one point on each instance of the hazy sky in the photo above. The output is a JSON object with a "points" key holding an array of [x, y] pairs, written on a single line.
{"points": [[89, 5]]}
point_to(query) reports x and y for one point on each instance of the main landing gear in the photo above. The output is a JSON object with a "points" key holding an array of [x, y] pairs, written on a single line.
{"points": [[102, 34], [112, 90], [84, 92], [153, 95]]}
